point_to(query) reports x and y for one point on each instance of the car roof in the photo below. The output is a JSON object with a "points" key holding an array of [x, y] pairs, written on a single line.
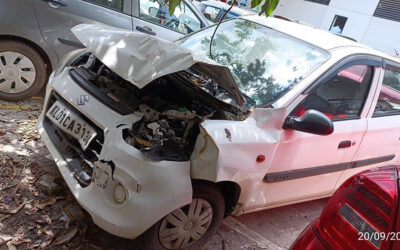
{"points": [[225, 6], [317, 37]]}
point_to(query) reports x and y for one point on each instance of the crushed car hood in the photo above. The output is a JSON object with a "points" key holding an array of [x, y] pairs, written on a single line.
{"points": [[140, 58]]}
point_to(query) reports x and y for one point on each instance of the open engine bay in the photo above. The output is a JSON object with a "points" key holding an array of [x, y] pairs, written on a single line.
{"points": [[171, 107]]}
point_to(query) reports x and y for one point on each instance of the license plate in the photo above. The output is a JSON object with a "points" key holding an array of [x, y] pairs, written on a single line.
{"points": [[71, 124]]}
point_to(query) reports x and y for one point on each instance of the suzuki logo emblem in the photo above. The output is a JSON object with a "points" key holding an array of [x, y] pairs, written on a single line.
{"points": [[82, 99]]}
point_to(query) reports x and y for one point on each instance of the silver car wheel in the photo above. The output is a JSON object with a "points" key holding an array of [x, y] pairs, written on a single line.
{"points": [[185, 225], [17, 72]]}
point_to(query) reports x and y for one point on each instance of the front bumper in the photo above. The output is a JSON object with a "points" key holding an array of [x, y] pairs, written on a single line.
{"points": [[153, 188]]}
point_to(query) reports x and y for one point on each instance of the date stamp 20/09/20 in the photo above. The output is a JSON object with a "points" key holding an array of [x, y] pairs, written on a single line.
{"points": [[378, 236]]}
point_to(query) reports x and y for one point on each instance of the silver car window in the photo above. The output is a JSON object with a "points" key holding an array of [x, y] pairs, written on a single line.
{"points": [[183, 20], [112, 4]]}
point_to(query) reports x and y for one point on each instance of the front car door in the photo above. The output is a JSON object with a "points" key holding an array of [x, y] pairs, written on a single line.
{"points": [[152, 17], [56, 18], [307, 166], [381, 143], [212, 13]]}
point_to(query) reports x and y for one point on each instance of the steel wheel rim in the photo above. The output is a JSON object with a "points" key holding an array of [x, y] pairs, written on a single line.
{"points": [[186, 225], [17, 72]]}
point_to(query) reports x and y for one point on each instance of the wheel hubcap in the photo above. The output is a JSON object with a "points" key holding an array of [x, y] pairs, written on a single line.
{"points": [[185, 225], [17, 72]]}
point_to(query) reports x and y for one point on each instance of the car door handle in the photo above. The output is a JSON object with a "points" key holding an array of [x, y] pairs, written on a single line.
{"points": [[344, 144], [146, 30], [62, 3]]}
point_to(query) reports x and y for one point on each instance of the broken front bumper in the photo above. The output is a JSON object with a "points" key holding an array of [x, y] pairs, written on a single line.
{"points": [[137, 191]]}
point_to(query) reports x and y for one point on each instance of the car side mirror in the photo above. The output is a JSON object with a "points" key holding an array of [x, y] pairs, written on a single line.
{"points": [[153, 11], [312, 121]]}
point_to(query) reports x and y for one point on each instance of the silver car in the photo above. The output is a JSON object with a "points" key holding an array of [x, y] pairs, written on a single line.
{"points": [[35, 34]]}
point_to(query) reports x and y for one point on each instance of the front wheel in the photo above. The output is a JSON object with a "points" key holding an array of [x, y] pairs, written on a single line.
{"points": [[190, 226], [22, 71]]}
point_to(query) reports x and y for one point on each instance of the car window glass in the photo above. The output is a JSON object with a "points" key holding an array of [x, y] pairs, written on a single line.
{"points": [[229, 16], [183, 20], [342, 96], [112, 4], [389, 97], [264, 77], [211, 13]]}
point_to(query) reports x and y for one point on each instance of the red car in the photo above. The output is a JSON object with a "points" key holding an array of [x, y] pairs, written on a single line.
{"points": [[362, 214]]}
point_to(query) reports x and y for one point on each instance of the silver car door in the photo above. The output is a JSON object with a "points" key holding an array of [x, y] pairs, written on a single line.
{"points": [[152, 17], [57, 17]]}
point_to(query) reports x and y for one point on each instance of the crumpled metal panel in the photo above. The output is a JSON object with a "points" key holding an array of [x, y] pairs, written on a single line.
{"points": [[140, 58], [227, 151]]}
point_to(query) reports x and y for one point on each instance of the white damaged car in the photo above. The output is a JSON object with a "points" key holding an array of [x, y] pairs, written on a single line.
{"points": [[156, 139]]}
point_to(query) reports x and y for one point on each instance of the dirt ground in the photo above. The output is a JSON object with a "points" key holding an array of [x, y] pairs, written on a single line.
{"points": [[31, 217]]}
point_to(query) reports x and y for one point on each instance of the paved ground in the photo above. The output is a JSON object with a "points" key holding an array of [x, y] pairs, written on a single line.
{"points": [[31, 218], [270, 229]]}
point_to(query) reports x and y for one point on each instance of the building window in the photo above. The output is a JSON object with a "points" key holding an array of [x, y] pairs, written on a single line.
{"points": [[388, 9], [324, 2], [338, 24]]}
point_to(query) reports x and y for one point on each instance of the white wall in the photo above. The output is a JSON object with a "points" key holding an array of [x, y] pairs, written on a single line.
{"points": [[378, 33], [383, 35], [356, 24], [359, 6], [308, 12], [358, 13]]}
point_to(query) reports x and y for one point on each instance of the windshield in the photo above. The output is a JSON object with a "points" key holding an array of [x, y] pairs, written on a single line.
{"points": [[265, 63]]}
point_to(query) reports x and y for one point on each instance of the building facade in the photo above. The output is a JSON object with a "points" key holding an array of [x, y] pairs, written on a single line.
{"points": [[375, 23]]}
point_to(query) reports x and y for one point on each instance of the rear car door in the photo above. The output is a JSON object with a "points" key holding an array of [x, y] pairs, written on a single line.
{"points": [[308, 166], [57, 17], [381, 143], [152, 17]]}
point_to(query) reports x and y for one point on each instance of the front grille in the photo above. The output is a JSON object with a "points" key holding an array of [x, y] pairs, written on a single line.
{"points": [[79, 161]]}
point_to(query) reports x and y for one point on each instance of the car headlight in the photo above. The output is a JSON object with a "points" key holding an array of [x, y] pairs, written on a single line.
{"points": [[67, 59]]}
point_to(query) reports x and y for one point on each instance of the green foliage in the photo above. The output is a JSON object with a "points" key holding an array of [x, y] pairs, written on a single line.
{"points": [[255, 3], [172, 5], [268, 6]]}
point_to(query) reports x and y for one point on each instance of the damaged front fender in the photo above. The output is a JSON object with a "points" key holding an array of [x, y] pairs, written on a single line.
{"points": [[228, 150], [154, 188]]}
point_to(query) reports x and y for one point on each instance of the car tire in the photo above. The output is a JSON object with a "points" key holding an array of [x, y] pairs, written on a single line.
{"points": [[205, 196], [22, 71]]}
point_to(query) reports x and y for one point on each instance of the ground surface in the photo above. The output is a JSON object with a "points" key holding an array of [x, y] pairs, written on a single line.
{"points": [[31, 218]]}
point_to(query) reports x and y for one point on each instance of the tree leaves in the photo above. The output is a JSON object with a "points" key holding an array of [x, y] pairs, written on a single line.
{"points": [[267, 8], [255, 3], [66, 237], [172, 5]]}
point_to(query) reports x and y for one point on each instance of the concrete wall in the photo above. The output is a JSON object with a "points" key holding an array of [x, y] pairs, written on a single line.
{"points": [[361, 25], [383, 34], [308, 12], [356, 24], [359, 6]]}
